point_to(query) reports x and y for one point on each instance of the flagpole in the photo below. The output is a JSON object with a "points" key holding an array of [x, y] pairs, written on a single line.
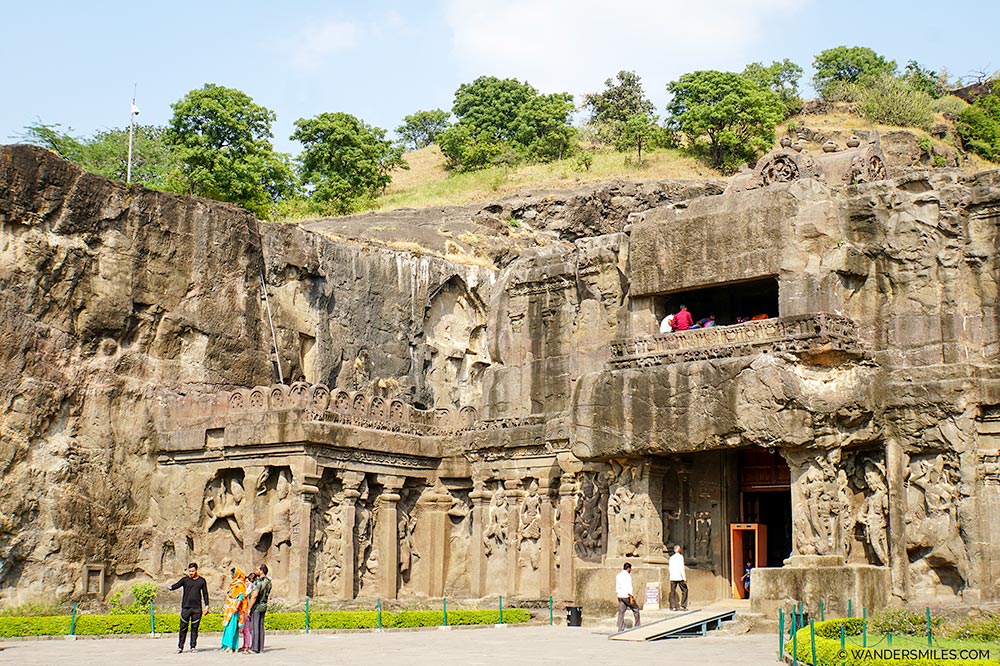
{"points": [[131, 133]]}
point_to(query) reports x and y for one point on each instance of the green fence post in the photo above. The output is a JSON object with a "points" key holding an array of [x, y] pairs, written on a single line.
{"points": [[307, 615], [850, 612], [379, 608], [929, 635], [843, 637], [444, 600], [72, 622], [781, 632], [812, 638], [864, 633], [822, 612], [152, 619], [795, 641], [501, 609], [550, 611]]}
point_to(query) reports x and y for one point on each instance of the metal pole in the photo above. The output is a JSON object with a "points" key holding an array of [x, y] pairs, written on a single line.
{"points": [[307, 615], [501, 609], [445, 602], [781, 632], [843, 637], [929, 636], [864, 633], [550, 610], [795, 642], [812, 639], [72, 622], [822, 612], [152, 619], [849, 610], [274, 337], [380, 614], [888, 637]]}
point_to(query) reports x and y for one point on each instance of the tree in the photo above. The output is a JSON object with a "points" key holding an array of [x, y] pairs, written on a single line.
{"points": [[422, 128], [979, 127], [496, 116], [724, 115], [926, 80], [640, 130], [848, 64], [222, 139], [52, 137], [622, 98], [345, 160], [780, 77]]}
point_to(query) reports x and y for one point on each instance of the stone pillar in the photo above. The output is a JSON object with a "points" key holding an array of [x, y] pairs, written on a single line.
{"points": [[434, 516], [547, 555], [567, 539], [348, 550], [480, 497], [895, 463], [387, 535], [514, 494], [301, 530]]}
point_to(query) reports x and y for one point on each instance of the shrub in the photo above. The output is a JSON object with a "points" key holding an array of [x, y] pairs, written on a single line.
{"points": [[889, 100], [828, 651], [980, 132], [950, 104], [853, 626], [142, 595], [842, 91], [901, 621], [984, 628]]}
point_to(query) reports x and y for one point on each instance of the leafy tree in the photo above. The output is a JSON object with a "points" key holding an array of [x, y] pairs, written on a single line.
{"points": [[724, 116], [495, 116], [622, 98], [422, 128], [344, 160], [890, 100], [222, 139], [154, 163], [637, 132], [925, 80], [782, 78], [850, 64]]}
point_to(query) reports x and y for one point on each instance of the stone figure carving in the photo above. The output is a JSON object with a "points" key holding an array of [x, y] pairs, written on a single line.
{"points": [[627, 513], [407, 554], [588, 524], [460, 517], [530, 526], [495, 531], [278, 526], [328, 544], [703, 536], [224, 504], [874, 514], [366, 514], [817, 489]]}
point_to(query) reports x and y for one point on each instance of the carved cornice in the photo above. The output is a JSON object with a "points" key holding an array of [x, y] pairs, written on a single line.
{"points": [[798, 334]]}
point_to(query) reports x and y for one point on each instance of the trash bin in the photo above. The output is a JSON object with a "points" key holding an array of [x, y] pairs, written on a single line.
{"points": [[574, 616]]}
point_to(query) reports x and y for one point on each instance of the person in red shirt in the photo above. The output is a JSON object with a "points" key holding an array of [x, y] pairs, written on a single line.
{"points": [[683, 319]]}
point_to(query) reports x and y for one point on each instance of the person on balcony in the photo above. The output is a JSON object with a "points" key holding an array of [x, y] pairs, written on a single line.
{"points": [[667, 325], [705, 322], [683, 319]]}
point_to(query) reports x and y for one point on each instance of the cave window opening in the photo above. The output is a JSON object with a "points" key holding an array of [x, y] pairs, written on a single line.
{"points": [[731, 302]]}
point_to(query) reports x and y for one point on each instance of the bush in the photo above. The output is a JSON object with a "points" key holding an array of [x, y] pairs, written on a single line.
{"points": [[980, 132], [898, 621], [950, 104], [853, 626], [828, 651], [95, 625], [889, 100], [842, 91], [984, 628]]}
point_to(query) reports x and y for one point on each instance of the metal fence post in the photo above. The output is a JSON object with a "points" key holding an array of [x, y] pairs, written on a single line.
{"points": [[795, 642], [812, 638], [929, 632], [72, 622], [152, 619], [444, 600], [781, 632], [307, 615], [379, 607]]}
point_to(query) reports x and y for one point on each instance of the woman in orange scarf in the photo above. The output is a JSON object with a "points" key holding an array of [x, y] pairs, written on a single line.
{"points": [[234, 615]]}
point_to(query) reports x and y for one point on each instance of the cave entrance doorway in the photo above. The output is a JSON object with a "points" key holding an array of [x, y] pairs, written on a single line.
{"points": [[730, 302], [765, 502]]}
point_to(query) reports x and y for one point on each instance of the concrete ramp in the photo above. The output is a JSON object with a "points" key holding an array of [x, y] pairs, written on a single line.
{"points": [[691, 623]]}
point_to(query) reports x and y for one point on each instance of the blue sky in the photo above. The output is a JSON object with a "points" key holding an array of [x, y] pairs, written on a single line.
{"points": [[75, 63]]}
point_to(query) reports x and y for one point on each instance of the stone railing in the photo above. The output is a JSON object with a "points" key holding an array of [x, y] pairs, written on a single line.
{"points": [[801, 333], [316, 402]]}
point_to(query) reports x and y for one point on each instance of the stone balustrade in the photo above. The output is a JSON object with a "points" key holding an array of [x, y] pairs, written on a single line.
{"points": [[318, 402], [801, 333]]}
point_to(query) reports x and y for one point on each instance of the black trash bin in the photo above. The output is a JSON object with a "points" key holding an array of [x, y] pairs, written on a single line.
{"points": [[574, 616]]}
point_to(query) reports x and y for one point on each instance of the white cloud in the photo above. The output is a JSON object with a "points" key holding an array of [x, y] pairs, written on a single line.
{"points": [[573, 45], [314, 45]]}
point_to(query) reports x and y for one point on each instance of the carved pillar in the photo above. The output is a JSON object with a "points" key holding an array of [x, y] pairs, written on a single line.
{"points": [[434, 516], [301, 530], [388, 536], [514, 494], [895, 462], [547, 556], [567, 545], [480, 497], [352, 481]]}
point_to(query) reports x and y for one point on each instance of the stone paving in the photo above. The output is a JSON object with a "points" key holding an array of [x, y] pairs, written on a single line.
{"points": [[466, 646]]}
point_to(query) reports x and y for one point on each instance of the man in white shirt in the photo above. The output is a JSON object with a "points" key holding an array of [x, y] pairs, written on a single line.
{"points": [[667, 325], [626, 598], [678, 579]]}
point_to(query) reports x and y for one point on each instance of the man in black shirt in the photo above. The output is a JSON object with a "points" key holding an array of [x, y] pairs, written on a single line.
{"points": [[195, 589]]}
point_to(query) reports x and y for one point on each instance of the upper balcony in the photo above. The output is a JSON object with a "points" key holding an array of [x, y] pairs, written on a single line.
{"points": [[813, 334]]}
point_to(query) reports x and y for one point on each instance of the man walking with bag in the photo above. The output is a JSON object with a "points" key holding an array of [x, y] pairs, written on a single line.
{"points": [[626, 598], [678, 579]]}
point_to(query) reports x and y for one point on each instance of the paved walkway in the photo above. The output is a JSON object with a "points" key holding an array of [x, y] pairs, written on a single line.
{"points": [[467, 646]]}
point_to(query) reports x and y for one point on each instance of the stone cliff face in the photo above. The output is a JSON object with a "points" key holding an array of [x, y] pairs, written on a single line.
{"points": [[586, 436]]}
